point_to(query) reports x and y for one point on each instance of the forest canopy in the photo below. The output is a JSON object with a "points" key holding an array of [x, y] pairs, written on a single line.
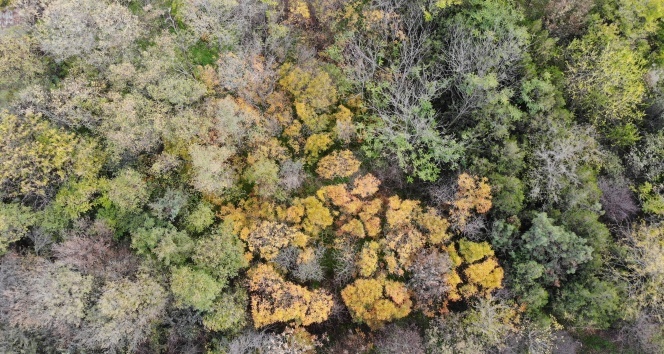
{"points": [[331, 176]]}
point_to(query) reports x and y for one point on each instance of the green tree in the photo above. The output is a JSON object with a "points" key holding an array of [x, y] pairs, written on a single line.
{"points": [[15, 223], [560, 252], [35, 157], [221, 254], [605, 78], [228, 313], [128, 191], [196, 288]]}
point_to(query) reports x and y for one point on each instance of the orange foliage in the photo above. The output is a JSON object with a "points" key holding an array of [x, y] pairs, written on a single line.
{"points": [[338, 164], [365, 186]]}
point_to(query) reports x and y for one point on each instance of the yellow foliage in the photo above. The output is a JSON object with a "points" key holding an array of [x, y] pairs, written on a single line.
{"points": [[474, 251], [376, 301], [275, 300], [487, 276], [366, 186], [454, 255], [400, 213], [453, 280], [318, 217], [344, 128], [372, 226], [313, 90], [372, 223], [367, 262], [435, 225], [353, 227], [337, 194], [306, 256], [294, 214], [338, 164], [316, 144], [472, 193], [235, 216], [34, 155], [300, 8], [269, 237], [404, 243]]}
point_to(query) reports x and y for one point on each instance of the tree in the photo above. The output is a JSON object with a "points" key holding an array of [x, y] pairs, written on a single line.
{"points": [[338, 164], [129, 123], [560, 252], [19, 65], [485, 327], [605, 78], [376, 301], [275, 300], [428, 281], [221, 254], [128, 191], [592, 303], [394, 340], [95, 30], [35, 157], [125, 314], [193, 287], [268, 237], [472, 193], [389, 58], [617, 200], [47, 297], [559, 164], [313, 90], [15, 223], [228, 313], [212, 173]]}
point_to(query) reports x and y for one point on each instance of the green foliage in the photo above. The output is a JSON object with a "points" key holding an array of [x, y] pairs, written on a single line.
{"points": [[75, 198], [228, 312], [593, 303], [264, 174], [35, 157], [128, 191], [168, 207], [203, 54], [169, 245], [605, 78], [194, 288], [560, 252], [508, 195], [15, 223], [199, 218], [221, 254]]}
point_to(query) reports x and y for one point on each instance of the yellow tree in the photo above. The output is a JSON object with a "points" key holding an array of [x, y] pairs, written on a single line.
{"points": [[473, 193], [376, 301], [274, 300]]}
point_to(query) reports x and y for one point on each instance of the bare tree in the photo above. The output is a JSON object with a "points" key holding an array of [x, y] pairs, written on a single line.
{"points": [[617, 200]]}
